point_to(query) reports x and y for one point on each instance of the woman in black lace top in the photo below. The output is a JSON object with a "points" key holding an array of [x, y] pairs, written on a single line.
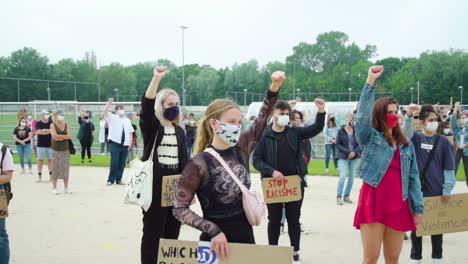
{"points": [[223, 218]]}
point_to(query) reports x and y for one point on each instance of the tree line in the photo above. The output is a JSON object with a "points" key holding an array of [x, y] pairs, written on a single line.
{"points": [[330, 65]]}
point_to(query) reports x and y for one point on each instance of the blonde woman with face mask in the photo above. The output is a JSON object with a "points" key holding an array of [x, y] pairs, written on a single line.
{"points": [[61, 134], [160, 123], [220, 198]]}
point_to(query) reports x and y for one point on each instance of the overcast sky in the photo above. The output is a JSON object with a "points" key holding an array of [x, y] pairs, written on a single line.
{"points": [[222, 32]]}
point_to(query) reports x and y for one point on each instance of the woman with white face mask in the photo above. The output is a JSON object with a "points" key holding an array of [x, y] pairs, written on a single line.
{"points": [[160, 124], [223, 219], [460, 134], [61, 134]]}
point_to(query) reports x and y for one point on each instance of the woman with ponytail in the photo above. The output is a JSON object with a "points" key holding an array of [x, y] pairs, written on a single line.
{"points": [[160, 123], [223, 218]]}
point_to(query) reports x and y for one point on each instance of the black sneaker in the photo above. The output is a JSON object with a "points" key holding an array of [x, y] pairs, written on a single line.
{"points": [[296, 257], [119, 183], [90, 161], [82, 161]]}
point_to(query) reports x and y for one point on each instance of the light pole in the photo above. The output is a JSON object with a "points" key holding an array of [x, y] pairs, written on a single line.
{"points": [[75, 91], [349, 89], [48, 94], [412, 89], [183, 67], [245, 97], [461, 94], [418, 92], [117, 92], [294, 75], [298, 93]]}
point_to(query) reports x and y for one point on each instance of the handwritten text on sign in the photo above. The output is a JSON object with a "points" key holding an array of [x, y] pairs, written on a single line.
{"points": [[287, 190], [192, 252], [169, 186], [442, 218], [3, 204]]}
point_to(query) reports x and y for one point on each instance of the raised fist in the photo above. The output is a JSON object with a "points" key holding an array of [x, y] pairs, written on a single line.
{"points": [[374, 73], [110, 100], [160, 71], [320, 103], [292, 103], [457, 106], [277, 78]]}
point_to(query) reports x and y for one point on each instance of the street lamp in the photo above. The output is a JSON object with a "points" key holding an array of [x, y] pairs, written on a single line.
{"points": [[48, 94], [183, 67], [245, 97], [412, 89], [349, 89], [298, 93], [117, 92], [461, 94]]}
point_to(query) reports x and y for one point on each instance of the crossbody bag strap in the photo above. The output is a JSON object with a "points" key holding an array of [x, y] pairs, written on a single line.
{"points": [[429, 159], [154, 145], [215, 154]]}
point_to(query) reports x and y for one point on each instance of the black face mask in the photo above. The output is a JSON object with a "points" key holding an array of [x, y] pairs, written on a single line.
{"points": [[86, 117], [332, 119], [171, 113]]}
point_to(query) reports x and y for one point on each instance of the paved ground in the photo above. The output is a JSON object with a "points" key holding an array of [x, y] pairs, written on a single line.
{"points": [[93, 226]]}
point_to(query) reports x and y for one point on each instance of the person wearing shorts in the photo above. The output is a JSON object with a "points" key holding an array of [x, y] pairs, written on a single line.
{"points": [[44, 142]]}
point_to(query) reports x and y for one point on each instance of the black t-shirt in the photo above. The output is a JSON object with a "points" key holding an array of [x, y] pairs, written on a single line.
{"points": [[286, 157], [190, 133], [43, 141], [22, 134], [134, 131]]}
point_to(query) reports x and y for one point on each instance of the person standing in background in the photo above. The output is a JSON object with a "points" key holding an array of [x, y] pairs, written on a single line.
{"points": [[22, 136], [120, 140], [134, 144], [85, 135], [348, 156], [330, 132], [6, 173], [191, 131], [103, 135], [44, 142], [61, 134]]}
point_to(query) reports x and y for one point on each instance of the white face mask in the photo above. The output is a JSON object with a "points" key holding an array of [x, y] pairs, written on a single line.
{"points": [[432, 126], [29, 117], [46, 116], [23, 123], [60, 117], [282, 120], [229, 133], [121, 112]]}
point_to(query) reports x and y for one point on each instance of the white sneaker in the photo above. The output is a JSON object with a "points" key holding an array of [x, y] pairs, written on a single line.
{"points": [[30, 171], [437, 261], [414, 261], [327, 170], [67, 190], [302, 228], [23, 171], [55, 191], [103, 154]]}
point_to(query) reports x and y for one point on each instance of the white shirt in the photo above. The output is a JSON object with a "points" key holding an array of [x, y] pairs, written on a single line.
{"points": [[168, 151], [8, 164], [116, 124]]}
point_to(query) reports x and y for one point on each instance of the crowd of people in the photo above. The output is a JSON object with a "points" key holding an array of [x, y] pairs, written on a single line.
{"points": [[402, 155]]}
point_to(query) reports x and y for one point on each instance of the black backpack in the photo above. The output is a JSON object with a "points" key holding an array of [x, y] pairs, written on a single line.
{"points": [[7, 186]]}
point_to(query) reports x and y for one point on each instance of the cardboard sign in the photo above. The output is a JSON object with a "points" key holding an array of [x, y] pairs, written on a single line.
{"points": [[169, 186], [287, 190], [3, 204], [192, 252], [442, 218]]}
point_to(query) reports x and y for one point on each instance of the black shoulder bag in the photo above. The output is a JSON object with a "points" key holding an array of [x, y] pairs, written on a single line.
{"points": [[422, 176]]}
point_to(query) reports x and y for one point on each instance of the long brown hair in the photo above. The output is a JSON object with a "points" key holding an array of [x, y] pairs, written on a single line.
{"points": [[205, 132], [379, 121], [330, 123]]}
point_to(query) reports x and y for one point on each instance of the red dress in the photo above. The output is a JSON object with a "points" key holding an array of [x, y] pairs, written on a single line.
{"points": [[385, 204]]}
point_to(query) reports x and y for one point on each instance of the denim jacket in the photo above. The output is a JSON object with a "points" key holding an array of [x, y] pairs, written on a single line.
{"points": [[458, 132], [378, 154]]}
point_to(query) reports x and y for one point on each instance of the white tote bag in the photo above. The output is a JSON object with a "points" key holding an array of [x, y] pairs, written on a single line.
{"points": [[139, 189]]}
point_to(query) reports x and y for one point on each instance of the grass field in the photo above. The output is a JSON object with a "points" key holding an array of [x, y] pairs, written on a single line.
{"points": [[316, 167]]}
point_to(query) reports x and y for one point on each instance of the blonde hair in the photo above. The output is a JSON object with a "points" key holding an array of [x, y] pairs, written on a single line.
{"points": [[159, 108], [205, 132]]}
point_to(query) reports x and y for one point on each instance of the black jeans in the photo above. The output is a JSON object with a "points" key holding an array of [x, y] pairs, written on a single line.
{"points": [[158, 222], [85, 147], [458, 156], [416, 246], [293, 215], [236, 229]]}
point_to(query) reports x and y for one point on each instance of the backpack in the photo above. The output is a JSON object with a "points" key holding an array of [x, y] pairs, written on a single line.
{"points": [[7, 186]]}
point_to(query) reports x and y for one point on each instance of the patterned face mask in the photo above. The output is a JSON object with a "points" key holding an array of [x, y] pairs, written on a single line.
{"points": [[229, 133]]}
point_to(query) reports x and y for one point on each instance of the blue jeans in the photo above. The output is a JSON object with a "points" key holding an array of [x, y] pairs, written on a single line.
{"points": [[4, 243], [118, 161], [24, 152], [330, 149], [344, 165], [189, 150]]}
